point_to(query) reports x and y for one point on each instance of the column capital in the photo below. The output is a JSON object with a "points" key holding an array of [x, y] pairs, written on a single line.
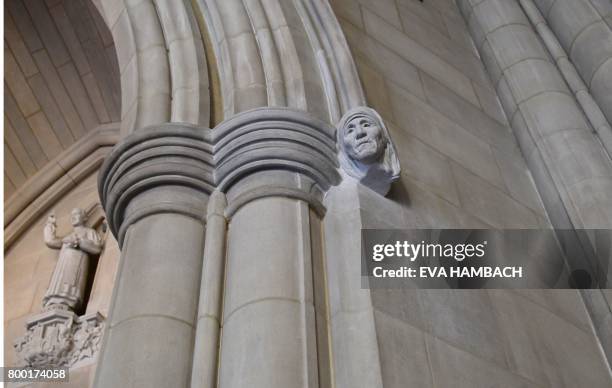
{"points": [[268, 152], [258, 153], [174, 160], [275, 139]]}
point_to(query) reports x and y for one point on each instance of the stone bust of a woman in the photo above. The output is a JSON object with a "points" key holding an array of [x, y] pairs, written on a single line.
{"points": [[366, 151]]}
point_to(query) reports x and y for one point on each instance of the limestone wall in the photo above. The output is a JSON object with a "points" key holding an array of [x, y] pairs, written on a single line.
{"points": [[28, 266], [461, 167]]}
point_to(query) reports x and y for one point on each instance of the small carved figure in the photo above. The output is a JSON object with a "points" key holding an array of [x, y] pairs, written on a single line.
{"points": [[81, 341], [58, 336], [67, 286], [366, 151], [96, 337]]}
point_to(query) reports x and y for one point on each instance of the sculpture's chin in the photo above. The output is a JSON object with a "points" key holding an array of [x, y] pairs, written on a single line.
{"points": [[368, 157]]}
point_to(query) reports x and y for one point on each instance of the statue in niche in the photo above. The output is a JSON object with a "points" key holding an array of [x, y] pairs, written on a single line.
{"points": [[366, 151], [67, 287], [58, 336]]}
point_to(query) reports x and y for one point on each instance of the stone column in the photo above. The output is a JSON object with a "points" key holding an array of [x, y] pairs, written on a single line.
{"points": [[569, 71], [571, 168], [206, 349], [569, 165], [586, 36], [154, 187], [274, 165]]}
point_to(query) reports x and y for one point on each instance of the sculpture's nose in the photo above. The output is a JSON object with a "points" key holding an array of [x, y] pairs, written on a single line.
{"points": [[359, 132]]}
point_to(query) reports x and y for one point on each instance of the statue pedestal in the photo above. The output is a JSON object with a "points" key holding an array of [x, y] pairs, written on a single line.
{"points": [[60, 338]]}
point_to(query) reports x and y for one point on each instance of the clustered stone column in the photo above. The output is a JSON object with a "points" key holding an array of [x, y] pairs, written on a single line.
{"points": [[232, 215], [571, 168], [574, 79], [154, 187], [274, 166], [559, 145], [586, 35]]}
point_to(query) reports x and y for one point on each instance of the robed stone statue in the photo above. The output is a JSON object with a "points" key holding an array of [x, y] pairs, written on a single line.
{"points": [[67, 287]]}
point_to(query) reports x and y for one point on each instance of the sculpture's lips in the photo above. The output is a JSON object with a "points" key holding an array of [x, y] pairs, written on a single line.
{"points": [[363, 143]]}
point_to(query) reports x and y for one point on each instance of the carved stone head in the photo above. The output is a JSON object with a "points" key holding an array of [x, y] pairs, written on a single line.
{"points": [[363, 139], [78, 217], [366, 150]]}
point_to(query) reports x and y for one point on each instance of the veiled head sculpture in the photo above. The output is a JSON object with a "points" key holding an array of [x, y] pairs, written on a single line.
{"points": [[366, 151]]}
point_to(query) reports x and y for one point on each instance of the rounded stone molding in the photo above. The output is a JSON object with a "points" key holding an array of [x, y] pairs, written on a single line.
{"points": [[275, 191], [282, 139], [165, 157], [174, 160]]}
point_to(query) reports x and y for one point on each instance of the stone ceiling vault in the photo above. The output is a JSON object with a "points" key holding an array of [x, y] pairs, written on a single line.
{"points": [[61, 82]]}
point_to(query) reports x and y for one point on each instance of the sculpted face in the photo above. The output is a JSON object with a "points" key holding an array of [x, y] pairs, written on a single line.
{"points": [[363, 139], [77, 217]]}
